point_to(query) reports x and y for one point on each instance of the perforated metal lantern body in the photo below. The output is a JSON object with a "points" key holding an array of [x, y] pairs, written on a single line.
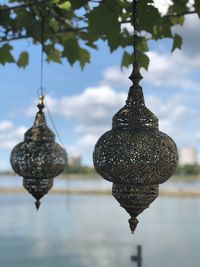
{"points": [[38, 158], [135, 155]]}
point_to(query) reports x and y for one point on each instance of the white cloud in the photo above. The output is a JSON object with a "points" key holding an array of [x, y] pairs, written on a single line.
{"points": [[10, 135], [190, 33], [5, 125], [172, 70], [173, 113], [165, 70], [84, 144], [116, 77], [162, 5], [92, 108]]}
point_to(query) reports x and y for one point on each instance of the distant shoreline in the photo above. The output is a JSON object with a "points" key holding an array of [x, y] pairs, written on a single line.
{"points": [[96, 176], [102, 192]]}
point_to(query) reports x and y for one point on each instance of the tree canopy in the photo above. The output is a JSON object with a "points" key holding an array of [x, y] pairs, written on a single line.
{"points": [[72, 28]]}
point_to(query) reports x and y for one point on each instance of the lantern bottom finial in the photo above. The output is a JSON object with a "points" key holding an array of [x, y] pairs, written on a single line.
{"points": [[37, 187], [134, 199], [133, 224], [37, 204]]}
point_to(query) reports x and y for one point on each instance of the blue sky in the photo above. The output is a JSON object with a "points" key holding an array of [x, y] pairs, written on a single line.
{"points": [[82, 103]]}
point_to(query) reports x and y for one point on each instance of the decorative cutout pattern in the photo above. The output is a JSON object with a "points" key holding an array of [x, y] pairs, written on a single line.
{"points": [[135, 156], [38, 159]]}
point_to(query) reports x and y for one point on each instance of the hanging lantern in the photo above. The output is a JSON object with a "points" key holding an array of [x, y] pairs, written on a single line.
{"points": [[38, 158], [134, 155]]}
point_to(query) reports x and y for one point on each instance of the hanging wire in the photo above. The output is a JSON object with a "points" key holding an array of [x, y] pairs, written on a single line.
{"points": [[53, 124], [68, 185]]}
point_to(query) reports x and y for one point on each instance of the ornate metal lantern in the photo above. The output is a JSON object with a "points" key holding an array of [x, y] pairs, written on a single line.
{"points": [[38, 158], [134, 154]]}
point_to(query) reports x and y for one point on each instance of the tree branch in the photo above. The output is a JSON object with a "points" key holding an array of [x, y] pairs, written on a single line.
{"points": [[26, 36], [167, 16], [14, 38]]}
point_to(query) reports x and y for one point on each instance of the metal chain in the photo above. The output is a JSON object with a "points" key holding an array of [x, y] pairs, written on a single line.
{"points": [[41, 89], [135, 26], [135, 76], [42, 56]]}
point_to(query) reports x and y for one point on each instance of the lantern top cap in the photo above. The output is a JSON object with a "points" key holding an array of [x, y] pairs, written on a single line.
{"points": [[135, 115], [40, 131]]}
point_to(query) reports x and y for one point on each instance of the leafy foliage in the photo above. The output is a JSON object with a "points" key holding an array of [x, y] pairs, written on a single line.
{"points": [[72, 28], [188, 170], [23, 60], [177, 42], [76, 169]]}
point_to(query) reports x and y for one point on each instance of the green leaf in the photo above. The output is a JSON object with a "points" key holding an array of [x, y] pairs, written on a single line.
{"points": [[6, 56], [22, 62], [142, 44], [177, 42], [104, 22], [178, 20], [53, 54], [127, 59], [84, 57], [66, 5], [71, 50], [197, 6], [149, 17], [92, 45], [76, 4], [143, 60]]}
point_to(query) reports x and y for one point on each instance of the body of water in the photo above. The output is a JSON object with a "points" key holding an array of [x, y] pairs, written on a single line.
{"points": [[92, 231]]}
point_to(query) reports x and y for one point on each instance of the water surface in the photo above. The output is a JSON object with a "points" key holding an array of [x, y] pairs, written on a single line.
{"points": [[92, 231]]}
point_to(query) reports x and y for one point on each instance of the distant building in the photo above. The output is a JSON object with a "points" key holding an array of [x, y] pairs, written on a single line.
{"points": [[187, 156], [74, 160]]}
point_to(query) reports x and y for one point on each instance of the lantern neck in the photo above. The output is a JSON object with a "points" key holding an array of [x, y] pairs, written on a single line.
{"points": [[40, 131], [135, 97], [135, 115], [41, 105]]}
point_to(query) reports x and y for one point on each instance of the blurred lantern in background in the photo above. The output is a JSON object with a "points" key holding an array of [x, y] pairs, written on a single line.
{"points": [[135, 155], [38, 158]]}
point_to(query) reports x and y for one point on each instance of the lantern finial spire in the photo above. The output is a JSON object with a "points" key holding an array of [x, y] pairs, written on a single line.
{"points": [[37, 204], [41, 105]]}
